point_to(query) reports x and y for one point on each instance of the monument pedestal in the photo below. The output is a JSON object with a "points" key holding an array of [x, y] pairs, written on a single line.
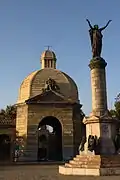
{"points": [[99, 156], [104, 128], [89, 163]]}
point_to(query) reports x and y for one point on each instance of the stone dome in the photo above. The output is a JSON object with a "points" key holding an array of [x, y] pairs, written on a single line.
{"points": [[33, 84]]}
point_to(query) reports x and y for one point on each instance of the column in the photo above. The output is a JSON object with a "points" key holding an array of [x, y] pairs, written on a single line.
{"points": [[98, 85]]}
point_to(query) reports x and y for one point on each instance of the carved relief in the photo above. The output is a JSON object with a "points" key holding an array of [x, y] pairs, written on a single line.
{"points": [[117, 142], [93, 144], [82, 144], [51, 84], [105, 129]]}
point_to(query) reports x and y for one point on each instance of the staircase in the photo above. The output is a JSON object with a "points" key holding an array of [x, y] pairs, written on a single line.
{"points": [[94, 161]]}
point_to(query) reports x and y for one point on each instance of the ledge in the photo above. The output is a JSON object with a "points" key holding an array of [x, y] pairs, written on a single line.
{"points": [[100, 119], [97, 62]]}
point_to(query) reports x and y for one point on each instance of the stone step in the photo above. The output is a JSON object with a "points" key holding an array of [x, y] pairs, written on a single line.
{"points": [[73, 162], [110, 165], [82, 156], [88, 156], [85, 160], [96, 158], [84, 163], [76, 159], [82, 166], [110, 162], [68, 165], [77, 162], [90, 165], [99, 156], [72, 165], [111, 158], [81, 159]]}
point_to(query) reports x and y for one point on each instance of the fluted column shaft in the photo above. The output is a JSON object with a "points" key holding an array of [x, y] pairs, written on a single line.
{"points": [[98, 85]]}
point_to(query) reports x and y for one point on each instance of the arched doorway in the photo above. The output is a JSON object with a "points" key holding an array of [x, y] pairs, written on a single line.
{"points": [[5, 147], [50, 139]]}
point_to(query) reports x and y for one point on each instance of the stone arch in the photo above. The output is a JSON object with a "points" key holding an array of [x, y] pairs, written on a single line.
{"points": [[54, 114], [53, 147]]}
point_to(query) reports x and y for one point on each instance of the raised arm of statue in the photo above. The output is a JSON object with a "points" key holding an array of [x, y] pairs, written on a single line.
{"points": [[105, 26], [89, 24]]}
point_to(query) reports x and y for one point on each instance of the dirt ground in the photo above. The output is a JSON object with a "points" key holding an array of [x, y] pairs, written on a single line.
{"points": [[41, 172]]}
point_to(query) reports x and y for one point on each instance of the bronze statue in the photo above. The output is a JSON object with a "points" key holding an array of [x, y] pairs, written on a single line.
{"points": [[93, 143], [83, 141], [96, 38], [97, 147], [117, 141]]}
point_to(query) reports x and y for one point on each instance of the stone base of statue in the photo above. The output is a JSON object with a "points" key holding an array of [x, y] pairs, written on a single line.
{"points": [[88, 162], [92, 165]]}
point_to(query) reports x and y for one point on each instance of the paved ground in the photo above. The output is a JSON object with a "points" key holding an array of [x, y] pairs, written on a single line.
{"points": [[41, 172]]}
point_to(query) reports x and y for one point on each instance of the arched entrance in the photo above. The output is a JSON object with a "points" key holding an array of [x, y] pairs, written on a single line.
{"points": [[50, 139], [5, 147]]}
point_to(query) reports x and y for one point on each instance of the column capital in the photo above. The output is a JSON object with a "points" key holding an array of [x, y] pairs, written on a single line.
{"points": [[97, 62]]}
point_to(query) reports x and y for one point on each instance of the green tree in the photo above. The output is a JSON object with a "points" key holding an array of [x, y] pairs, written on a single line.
{"points": [[8, 113], [116, 111]]}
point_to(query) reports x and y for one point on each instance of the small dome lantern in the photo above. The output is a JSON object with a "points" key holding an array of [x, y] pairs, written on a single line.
{"points": [[48, 59]]}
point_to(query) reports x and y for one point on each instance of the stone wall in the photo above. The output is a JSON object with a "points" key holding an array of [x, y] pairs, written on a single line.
{"points": [[21, 120], [35, 115], [29, 117], [78, 127]]}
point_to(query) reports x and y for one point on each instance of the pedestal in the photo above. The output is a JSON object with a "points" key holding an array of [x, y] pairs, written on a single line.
{"points": [[89, 163], [104, 129], [102, 159]]}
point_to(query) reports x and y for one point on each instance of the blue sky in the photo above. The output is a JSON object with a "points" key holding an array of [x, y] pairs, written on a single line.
{"points": [[27, 26]]}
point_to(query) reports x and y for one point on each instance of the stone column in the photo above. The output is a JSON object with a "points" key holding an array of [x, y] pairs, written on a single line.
{"points": [[98, 85], [100, 123]]}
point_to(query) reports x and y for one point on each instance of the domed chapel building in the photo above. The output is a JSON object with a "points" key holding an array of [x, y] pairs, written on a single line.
{"points": [[49, 113]]}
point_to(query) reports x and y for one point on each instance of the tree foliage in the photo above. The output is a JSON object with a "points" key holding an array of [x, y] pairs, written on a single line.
{"points": [[9, 113], [116, 111]]}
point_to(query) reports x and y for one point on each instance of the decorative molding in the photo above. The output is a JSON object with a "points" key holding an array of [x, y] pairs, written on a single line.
{"points": [[97, 62], [99, 119], [50, 97]]}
